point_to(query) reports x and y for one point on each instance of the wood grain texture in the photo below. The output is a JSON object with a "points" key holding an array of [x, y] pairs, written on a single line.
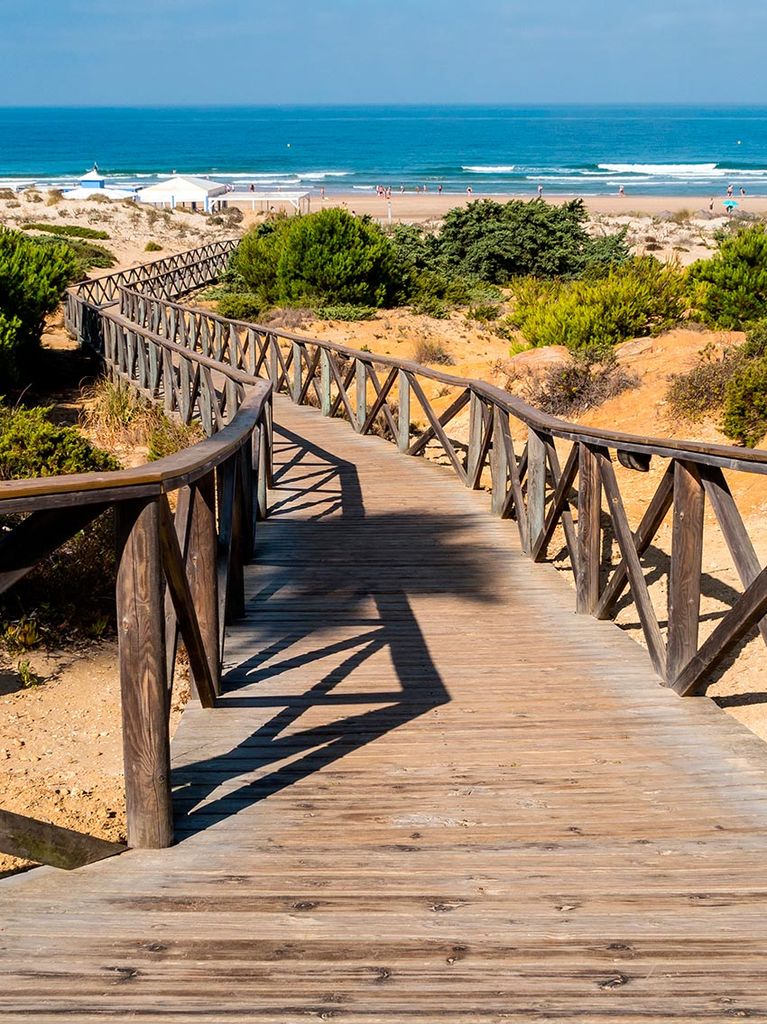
{"points": [[390, 819]]}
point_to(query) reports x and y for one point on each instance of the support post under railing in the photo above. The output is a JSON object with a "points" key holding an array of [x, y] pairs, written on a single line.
{"points": [[536, 484], [589, 532], [361, 389], [202, 572], [143, 675], [403, 413], [686, 565], [499, 465], [325, 378]]}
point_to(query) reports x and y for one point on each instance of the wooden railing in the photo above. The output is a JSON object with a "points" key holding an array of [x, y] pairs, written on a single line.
{"points": [[185, 526], [549, 475]]}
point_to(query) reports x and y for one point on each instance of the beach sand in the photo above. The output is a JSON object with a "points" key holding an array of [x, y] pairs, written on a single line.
{"points": [[421, 207]]}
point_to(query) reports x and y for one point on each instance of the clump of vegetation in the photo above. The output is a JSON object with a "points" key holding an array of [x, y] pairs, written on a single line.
{"points": [[240, 305], [744, 418], [730, 289], [345, 312], [642, 296], [152, 247], [31, 445], [428, 350], [586, 380], [70, 595], [693, 395], [326, 257], [33, 277], [118, 416], [68, 230]]}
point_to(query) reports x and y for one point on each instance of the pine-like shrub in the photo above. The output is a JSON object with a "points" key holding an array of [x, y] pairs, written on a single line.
{"points": [[745, 405], [240, 306], [32, 446], [730, 289]]}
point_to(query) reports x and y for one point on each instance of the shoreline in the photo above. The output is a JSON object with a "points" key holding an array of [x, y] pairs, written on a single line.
{"points": [[420, 207]]}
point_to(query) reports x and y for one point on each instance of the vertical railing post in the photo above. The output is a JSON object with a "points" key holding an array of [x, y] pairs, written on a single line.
{"points": [[201, 570], [295, 393], [143, 675], [477, 424], [361, 390], [536, 485], [589, 531], [499, 465], [403, 413], [274, 362], [686, 565], [325, 382]]}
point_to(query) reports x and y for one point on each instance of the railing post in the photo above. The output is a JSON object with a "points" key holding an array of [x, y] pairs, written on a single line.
{"points": [[361, 389], [325, 381], [143, 675], [297, 372], [499, 465], [589, 531], [686, 564], [403, 413], [477, 425], [536, 485], [202, 572], [274, 362]]}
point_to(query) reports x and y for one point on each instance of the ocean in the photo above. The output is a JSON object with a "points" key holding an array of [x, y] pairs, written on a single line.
{"points": [[578, 150]]}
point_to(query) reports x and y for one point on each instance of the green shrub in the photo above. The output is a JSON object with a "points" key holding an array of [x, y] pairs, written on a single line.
{"points": [[499, 241], [152, 247], [585, 381], [730, 289], [346, 312], [326, 257], [640, 297], [240, 306], [745, 404], [68, 230], [32, 446], [33, 276], [699, 392]]}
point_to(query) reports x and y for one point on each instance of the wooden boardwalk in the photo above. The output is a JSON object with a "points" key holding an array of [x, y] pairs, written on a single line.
{"points": [[432, 792]]}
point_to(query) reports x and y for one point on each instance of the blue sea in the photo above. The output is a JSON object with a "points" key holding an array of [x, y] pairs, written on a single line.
{"points": [[578, 150]]}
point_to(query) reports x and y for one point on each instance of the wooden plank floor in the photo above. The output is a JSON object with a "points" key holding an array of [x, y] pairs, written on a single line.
{"points": [[432, 793]]}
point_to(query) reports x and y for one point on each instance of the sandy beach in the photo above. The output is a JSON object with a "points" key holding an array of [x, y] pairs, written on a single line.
{"points": [[422, 207]]}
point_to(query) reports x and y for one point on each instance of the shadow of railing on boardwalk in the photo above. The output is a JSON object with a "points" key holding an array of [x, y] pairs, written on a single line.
{"points": [[368, 566]]}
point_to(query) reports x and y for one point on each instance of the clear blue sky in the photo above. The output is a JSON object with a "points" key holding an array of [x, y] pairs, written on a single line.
{"points": [[72, 52]]}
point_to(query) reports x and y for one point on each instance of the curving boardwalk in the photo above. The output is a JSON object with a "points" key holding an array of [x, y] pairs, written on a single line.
{"points": [[431, 792]]}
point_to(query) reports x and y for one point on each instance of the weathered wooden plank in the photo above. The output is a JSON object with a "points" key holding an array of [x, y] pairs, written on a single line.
{"points": [[589, 531]]}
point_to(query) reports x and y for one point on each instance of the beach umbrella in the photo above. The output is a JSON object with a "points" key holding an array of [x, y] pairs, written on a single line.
{"points": [[730, 204]]}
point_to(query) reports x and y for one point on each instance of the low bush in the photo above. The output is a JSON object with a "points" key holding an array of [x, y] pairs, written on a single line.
{"points": [[88, 255], [640, 297], [68, 230], [730, 289], [745, 405], [428, 350], [152, 247], [31, 445], [345, 312], [166, 436], [699, 392], [240, 306], [582, 383]]}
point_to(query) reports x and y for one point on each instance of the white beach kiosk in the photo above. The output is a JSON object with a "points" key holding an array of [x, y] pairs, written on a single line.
{"points": [[184, 190], [94, 184]]}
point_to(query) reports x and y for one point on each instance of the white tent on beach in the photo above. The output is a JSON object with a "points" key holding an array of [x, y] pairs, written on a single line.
{"points": [[183, 190]]}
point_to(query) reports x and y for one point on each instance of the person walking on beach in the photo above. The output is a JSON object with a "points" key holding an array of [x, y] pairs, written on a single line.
{"points": [[439, 189], [540, 190], [730, 191], [742, 192], [711, 205], [622, 192], [322, 193], [469, 190]]}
